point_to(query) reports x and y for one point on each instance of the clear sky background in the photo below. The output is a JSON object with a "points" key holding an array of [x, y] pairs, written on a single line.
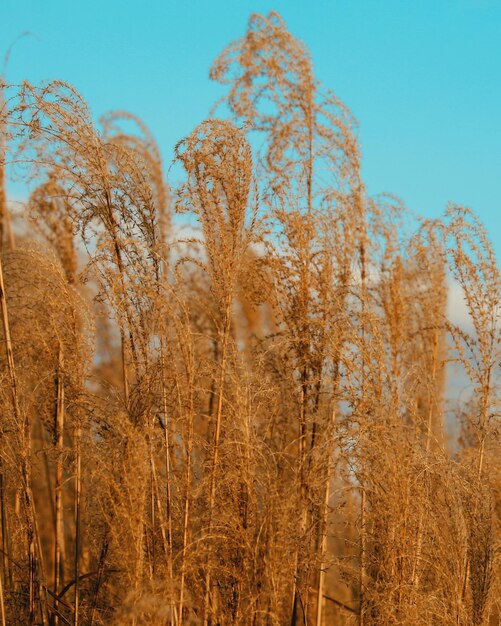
{"points": [[423, 77]]}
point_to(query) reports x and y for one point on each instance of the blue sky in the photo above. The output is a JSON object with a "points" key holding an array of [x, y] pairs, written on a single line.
{"points": [[423, 77]]}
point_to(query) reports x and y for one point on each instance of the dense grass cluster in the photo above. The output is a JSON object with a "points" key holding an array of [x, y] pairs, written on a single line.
{"points": [[246, 424]]}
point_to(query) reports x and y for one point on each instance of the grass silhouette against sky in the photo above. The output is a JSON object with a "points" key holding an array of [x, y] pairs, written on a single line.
{"points": [[422, 78]]}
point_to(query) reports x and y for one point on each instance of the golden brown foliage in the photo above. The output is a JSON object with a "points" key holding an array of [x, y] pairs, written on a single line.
{"points": [[258, 434]]}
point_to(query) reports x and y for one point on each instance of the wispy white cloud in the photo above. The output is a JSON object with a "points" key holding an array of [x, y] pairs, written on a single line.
{"points": [[457, 311]]}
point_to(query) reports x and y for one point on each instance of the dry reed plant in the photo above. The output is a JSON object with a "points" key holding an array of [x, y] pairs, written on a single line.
{"points": [[247, 425]]}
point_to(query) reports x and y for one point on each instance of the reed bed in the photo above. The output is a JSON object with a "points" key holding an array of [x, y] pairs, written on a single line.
{"points": [[250, 425]]}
